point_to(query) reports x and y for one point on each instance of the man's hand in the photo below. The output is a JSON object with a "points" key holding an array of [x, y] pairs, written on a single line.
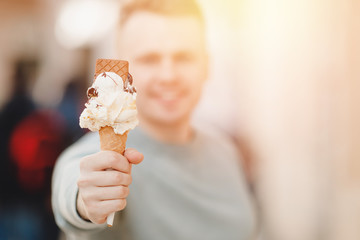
{"points": [[104, 183]]}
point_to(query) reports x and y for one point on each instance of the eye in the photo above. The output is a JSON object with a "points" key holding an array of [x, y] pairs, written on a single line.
{"points": [[151, 58], [184, 57]]}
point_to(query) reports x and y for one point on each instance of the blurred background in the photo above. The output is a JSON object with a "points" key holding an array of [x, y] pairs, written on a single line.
{"points": [[286, 76]]}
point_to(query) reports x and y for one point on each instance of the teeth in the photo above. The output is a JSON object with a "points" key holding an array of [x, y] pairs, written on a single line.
{"points": [[168, 97]]}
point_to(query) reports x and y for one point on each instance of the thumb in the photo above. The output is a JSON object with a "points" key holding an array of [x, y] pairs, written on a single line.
{"points": [[133, 156]]}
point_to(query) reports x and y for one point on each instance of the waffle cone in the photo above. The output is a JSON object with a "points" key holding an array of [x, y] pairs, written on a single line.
{"points": [[120, 67], [110, 141]]}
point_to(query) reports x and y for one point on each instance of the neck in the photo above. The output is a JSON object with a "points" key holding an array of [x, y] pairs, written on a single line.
{"points": [[178, 133]]}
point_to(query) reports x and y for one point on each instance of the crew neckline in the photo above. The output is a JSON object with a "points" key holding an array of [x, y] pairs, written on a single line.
{"points": [[146, 137]]}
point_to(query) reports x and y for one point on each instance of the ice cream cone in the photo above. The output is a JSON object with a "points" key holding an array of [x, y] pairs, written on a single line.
{"points": [[110, 141], [107, 82]]}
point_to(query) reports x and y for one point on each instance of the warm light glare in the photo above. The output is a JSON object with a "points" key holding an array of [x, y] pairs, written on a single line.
{"points": [[82, 22]]}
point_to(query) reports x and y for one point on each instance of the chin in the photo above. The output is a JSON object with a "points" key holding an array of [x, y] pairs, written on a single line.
{"points": [[167, 118], [171, 120], [167, 114]]}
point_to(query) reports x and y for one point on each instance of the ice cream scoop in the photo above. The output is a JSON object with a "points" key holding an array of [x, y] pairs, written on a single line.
{"points": [[111, 103]]}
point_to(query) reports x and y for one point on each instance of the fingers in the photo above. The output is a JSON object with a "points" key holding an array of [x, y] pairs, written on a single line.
{"points": [[133, 156], [105, 193], [99, 211], [105, 160], [103, 183], [105, 179], [96, 203], [112, 160]]}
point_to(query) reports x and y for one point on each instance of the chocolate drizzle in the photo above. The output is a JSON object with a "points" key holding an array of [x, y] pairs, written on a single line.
{"points": [[104, 75], [128, 87], [130, 78]]}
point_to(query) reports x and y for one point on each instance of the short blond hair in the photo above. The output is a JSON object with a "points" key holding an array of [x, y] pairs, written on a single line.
{"points": [[163, 7]]}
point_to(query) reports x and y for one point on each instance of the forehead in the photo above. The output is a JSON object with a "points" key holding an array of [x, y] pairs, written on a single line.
{"points": [[146, 30]]}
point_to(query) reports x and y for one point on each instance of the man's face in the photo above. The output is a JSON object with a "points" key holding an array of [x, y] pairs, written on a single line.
{"points": [[168, 61]]}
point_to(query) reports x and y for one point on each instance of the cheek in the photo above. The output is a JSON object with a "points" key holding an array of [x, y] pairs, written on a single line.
{"points": [[195, 87]]}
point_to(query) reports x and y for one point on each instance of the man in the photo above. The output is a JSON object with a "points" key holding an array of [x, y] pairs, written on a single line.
{"points": [[190, 185]]}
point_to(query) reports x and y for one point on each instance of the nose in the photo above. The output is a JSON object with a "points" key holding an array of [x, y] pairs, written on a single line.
{"points": [[167, 72]]}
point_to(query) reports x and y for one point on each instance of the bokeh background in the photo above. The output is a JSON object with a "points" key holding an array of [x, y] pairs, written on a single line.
{"points": [[284, 84]]}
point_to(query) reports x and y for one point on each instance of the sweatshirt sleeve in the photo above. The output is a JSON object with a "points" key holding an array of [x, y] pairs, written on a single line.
{"points": [[64, 185]]}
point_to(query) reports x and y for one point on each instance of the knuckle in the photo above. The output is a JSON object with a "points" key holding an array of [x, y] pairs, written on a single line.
{"points": [[126, 191], [112, 159], [122, 179], [126, 165], [128, 179], [123, 192], [109, 162], [118, 178], [121, 204], [82, 181], [113, 154], [85, 199]]}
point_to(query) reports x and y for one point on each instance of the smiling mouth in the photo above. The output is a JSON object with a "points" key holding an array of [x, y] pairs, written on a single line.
{"points": [[169, 97]]}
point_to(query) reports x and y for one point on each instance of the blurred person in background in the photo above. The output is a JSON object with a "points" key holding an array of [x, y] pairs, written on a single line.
{"points": [[16, 109], [30, 141], [33, 130], [191, 184]]}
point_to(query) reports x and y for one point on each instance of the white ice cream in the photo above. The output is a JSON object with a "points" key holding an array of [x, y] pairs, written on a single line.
{"points": [[110, 105]]}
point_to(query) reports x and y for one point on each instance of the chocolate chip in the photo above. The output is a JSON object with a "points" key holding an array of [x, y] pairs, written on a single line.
{"points": [[130, 79], [91, 92]]}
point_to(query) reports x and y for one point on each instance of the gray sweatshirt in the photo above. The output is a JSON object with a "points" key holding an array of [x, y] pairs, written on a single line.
{"points": [[191, 191]]}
